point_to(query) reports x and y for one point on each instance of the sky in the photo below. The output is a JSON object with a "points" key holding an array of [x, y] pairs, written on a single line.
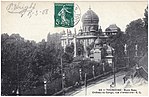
{"points": [[39, 25]]}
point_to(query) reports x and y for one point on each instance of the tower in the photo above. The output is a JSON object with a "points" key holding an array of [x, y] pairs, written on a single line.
{"points": [[90, 21], [96, 51], [89, 30]]}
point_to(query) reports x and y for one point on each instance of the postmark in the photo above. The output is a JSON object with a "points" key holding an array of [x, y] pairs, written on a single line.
{"points": [[66, 14], [77, 14]]}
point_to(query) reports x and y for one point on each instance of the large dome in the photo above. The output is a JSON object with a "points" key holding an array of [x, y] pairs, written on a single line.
{"points": [[90, 17]]}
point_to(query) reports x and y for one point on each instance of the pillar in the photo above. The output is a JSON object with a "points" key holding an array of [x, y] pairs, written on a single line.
{"points": [[67, 41], [75, 44], [85, 50]]}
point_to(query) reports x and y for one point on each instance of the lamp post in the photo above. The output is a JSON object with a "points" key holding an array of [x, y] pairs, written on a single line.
{"points": [[136, 50], [85, 84], [110, 59], [127, 55], [45, 86], [17, 92], [137, 56], [18, 82], [125, 49], [80, 71], [103, 67], [93, 71], [63, 76]]}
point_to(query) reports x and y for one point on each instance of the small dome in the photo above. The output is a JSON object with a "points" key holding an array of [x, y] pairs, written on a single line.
{"points": [[109, 48], [98, 41], [92, 51], [90, 16], [97, 51], [92, 29]]}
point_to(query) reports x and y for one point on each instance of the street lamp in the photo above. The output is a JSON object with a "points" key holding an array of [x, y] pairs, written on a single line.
{"points": [[93, 71], [45, 86], [85, 84], [125, 49], [17, 92], [63, 76], [80, 71], [127, 55], [18, 82], [103, 67], [136, 50], [110, 59]]}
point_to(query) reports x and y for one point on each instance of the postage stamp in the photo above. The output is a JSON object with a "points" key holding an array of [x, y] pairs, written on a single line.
{"points": [[64, 14]]}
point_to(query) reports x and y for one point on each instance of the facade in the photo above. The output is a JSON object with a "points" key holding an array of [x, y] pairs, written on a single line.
{"points": [[88, 34]]}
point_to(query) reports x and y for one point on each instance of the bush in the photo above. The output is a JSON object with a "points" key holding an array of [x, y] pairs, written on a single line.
{"points": [[72, 76]]}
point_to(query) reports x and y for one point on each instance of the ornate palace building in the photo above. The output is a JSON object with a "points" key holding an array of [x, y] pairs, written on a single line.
{"points": [[90, 33]]}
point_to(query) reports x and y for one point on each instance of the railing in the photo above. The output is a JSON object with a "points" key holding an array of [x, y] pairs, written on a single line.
{"points": [[40, 90], [98, 77]]}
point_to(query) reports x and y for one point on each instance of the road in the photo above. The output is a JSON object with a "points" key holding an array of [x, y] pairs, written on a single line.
{"points": [[99, 88]]}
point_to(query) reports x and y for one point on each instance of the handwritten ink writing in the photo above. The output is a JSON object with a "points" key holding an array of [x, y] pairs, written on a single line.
{"points": [[25, 9]]}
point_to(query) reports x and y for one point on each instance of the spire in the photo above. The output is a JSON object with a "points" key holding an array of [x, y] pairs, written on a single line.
{"points": [[89, 7]]}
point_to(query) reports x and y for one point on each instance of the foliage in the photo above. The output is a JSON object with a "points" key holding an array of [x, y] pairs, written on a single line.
{"points": [[24, 63], [117, 42], [137, 34], [146, 17]]}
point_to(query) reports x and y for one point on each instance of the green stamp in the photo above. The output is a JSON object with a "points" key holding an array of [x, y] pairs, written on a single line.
{"points": [[64, 15]]}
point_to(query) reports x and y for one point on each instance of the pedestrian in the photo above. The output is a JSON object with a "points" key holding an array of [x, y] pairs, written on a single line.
{"points": [[124, 79], [112, 85]]}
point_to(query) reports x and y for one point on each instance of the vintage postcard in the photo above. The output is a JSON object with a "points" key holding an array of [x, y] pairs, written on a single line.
{"points": [[74, 48]]}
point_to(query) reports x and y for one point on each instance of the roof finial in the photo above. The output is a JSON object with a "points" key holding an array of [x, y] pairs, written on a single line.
{"points": [[89, 7]]}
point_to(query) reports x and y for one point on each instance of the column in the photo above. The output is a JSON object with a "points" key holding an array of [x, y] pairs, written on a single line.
{"points": [[75, 44], [136, 50], [67, 41], [85, 51]]}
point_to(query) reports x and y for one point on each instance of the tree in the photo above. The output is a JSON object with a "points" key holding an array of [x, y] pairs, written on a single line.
{"points": [[16, 58], [137, 35], [146, 17], [117, 42], [55, 39], [25, 63], [68, 54]]}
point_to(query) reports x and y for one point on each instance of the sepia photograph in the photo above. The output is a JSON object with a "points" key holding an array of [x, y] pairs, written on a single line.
{"points": [[74, 48]]}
